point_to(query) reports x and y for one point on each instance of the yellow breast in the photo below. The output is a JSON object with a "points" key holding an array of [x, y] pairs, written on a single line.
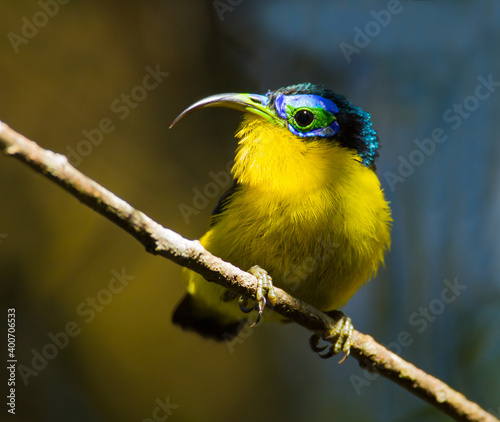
{"points": [[308, 212]]}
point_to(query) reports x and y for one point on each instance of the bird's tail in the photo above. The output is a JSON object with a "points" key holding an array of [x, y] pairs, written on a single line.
{"points": [[189, 317]]}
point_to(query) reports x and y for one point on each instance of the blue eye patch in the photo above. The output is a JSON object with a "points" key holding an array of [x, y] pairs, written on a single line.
{"points": [[308, 115]]}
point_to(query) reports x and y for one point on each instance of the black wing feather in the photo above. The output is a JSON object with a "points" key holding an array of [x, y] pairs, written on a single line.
{"points": [[224, 200]]}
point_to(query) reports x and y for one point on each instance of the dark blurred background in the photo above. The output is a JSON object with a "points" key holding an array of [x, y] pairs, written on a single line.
{"points": [[74, 71]]}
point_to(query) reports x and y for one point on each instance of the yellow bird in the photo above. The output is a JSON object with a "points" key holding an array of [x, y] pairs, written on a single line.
{"points": [[306, 209]]}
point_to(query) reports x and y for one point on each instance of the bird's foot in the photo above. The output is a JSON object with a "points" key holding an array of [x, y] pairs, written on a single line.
{"points": [[341, 333], [265, 289]]}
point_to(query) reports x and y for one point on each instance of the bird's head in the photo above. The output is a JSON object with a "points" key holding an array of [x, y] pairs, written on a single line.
{"points": [[297, 137], [307, 111]]}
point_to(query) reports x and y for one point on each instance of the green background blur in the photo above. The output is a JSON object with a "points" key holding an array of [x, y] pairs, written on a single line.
{"points": [[56, 255]]}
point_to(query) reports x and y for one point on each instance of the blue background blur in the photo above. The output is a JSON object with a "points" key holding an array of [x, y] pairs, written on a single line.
{"points": [[416, 66]]}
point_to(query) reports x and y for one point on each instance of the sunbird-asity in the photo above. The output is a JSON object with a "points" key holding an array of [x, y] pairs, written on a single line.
{"points": [[306, 208]]}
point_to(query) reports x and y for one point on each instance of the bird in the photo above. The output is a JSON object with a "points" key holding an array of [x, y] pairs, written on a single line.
{"points": [[305, 212]]}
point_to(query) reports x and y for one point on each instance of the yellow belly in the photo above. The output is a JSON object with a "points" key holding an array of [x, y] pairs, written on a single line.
{"points": [[319, 242]]}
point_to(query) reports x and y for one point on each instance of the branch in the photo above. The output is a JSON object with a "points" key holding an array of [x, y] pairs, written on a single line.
{"points": [[191, 254]]}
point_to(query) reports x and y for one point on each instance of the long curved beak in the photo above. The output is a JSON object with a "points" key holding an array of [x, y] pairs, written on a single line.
{"points": [[252, 103]]}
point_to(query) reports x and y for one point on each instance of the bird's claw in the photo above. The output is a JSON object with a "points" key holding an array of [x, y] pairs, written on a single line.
{"points": [[243, 302], [314, 343], [340, 335], [265, 293]]}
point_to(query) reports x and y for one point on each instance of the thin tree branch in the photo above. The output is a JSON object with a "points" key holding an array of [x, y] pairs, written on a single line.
{"points": [[191, 254]]}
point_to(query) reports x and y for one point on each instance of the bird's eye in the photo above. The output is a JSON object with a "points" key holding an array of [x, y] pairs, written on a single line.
{"points": [[307, 115], [304, 117]]}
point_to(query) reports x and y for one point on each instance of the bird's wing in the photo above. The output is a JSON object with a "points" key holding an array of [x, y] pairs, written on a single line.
{"points": [[224, 200]]}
